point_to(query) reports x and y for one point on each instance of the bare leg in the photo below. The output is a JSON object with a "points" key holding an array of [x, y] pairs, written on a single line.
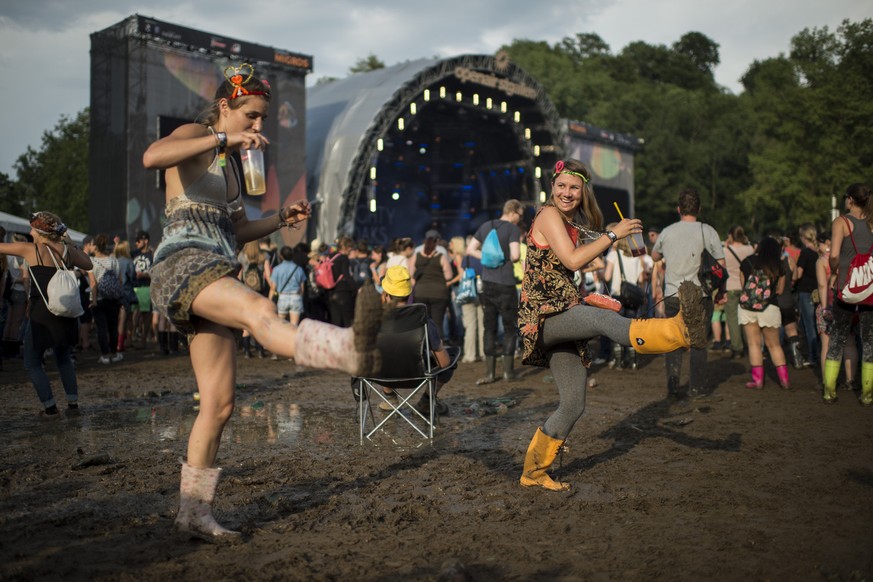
{"points": [[213, 357], [752, 333], [771, 339]]}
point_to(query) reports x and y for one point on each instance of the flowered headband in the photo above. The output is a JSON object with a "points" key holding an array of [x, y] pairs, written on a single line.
{"points": [[239, 76], [559, 169], [46, 225]]}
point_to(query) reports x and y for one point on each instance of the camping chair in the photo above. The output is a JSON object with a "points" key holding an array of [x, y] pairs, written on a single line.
{"points": [[407, 363]]}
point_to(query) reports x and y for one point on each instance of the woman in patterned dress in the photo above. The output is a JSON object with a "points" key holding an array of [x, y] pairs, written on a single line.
{"points": [[194, 279], [555, 323]]}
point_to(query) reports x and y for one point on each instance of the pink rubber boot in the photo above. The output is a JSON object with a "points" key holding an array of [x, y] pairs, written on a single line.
{"points": [[197, 491], [782, 372], [757, 382]]}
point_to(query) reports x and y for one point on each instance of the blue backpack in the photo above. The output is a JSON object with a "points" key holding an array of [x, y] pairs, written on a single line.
{"points": [[492, 252]]}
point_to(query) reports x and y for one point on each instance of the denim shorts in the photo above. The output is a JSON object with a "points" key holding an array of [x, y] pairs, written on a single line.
{"points": [[290, 303]]}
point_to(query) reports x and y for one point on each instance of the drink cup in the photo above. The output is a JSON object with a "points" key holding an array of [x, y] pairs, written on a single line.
{"points": [[637, 245], [253, 171]]}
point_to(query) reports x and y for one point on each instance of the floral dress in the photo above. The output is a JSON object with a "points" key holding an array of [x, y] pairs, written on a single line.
{"points": [[546, 289]]}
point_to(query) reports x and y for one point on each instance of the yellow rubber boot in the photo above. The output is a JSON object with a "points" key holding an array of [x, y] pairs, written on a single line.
{"points": [[866, 383], [829, 379], [540, 455], [685, 330]]}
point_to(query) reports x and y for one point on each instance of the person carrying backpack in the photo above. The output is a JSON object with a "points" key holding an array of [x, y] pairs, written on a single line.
{"points": [[43, 329], [495, 240], [341, 297], [764, 276], [851, 239]]}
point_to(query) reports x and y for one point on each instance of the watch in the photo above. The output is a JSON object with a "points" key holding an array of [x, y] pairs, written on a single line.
{"points": [[611, 235], [222, 139]]}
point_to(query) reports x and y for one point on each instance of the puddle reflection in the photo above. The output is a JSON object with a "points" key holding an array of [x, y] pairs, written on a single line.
{"points": [[170, 420]]}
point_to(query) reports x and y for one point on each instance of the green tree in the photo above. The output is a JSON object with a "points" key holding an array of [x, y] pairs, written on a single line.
{"points": [[370, 63], [55, 177], [11, 199]]}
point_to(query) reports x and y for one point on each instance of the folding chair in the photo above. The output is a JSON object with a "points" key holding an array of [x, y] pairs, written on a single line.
{"points": [[407, 363]]}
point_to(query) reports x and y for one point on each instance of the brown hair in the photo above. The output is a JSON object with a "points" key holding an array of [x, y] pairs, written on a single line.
{"points": [[738, 234], [225, 90], [589, 212], [689, 202], [860, 194], [49, 225], [101, 242]]}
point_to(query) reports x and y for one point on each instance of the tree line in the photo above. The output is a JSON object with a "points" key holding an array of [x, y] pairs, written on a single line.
{"points": [[772, 156]]}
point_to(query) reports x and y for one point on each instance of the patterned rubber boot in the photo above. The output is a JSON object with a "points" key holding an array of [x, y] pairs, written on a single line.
{"points": [[688, 329], [196, 494], [352, 350]]}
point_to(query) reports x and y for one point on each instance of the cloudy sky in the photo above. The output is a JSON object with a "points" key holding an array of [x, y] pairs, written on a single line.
{"points": [[44, 44]]}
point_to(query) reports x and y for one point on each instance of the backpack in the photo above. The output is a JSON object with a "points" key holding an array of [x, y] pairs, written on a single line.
{"points": [[858, 289], [252, 278], [324, 273], [711, 273], [109, 286], [756, 292], [63, 290], [492, 252]]}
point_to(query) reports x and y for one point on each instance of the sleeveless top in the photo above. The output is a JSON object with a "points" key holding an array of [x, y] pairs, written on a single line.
{"points": [[430, 281], [546, 289], [863, 241], [47, 329]]}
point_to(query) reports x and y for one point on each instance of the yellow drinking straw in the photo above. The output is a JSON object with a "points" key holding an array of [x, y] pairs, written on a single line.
{"points": [[621, 216]]}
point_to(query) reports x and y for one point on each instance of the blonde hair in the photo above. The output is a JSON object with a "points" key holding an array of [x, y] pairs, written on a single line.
{"points": [[122, 249], [252, 251], [458, 244], [807, 233]]}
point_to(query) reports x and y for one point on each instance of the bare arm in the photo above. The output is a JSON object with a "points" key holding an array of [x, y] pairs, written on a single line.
{"points": [[474, 248], [838, 233], [549, 230], [514, 251], [821, 278], [248, 230]]}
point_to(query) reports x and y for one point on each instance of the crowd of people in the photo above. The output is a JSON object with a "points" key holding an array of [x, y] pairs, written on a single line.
{"points": [[539, 292]]}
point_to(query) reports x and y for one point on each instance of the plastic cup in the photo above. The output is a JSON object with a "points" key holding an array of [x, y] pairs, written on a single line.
{"points": [[253, 171], [637, 245]]}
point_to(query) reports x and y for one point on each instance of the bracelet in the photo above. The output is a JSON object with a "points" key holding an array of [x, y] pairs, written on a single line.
{"points": [[611, 235], [221, 138], [281, 219]]}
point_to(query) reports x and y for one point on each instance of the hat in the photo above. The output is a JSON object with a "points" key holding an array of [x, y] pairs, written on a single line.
{"points": [[396, 282], [435, 234]]}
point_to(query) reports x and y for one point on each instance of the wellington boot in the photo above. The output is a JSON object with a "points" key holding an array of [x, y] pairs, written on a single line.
{"points": [[866, 397], [164, 342], [794, 353], [490, 366], [352, 350], [509, 369], [829, 380], [540, 455], [196, 493], [685, 330]]}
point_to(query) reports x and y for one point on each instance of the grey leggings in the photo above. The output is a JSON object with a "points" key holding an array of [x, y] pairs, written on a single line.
{"points": [[571, 377]]}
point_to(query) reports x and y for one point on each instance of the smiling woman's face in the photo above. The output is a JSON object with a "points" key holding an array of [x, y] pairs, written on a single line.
{"points": [[567, 193]]}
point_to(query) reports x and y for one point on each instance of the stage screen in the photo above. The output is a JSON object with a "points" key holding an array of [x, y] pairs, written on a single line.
{"points": [[143, 88]]}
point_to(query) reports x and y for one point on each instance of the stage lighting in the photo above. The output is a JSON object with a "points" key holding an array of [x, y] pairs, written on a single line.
{"points": [[503, 107], [442, 92], [380, 144], [372, 172], [542, 197], [422, 150], [412, 108], [536, 151], [526, 133], [489, 103], [426, 95], [373, 205], [395, 196], [538, 172], [517, 116], [400, 124], [458, 97], [475, 99]]}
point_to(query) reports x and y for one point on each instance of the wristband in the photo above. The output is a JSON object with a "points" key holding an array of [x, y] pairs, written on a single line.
{"points": [[611, 235]]}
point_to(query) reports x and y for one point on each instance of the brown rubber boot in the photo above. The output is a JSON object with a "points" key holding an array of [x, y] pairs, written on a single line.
{"points": [[540, 455]]}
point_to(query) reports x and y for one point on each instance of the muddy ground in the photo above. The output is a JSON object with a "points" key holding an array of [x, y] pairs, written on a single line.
{"points": [[738, 485]]}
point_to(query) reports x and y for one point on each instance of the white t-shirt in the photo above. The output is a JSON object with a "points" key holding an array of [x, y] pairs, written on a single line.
{"points": [[634, 267]]}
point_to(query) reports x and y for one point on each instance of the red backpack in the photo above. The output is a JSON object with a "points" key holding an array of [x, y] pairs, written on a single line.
{"points": [[858, 289], [324, 272]]}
